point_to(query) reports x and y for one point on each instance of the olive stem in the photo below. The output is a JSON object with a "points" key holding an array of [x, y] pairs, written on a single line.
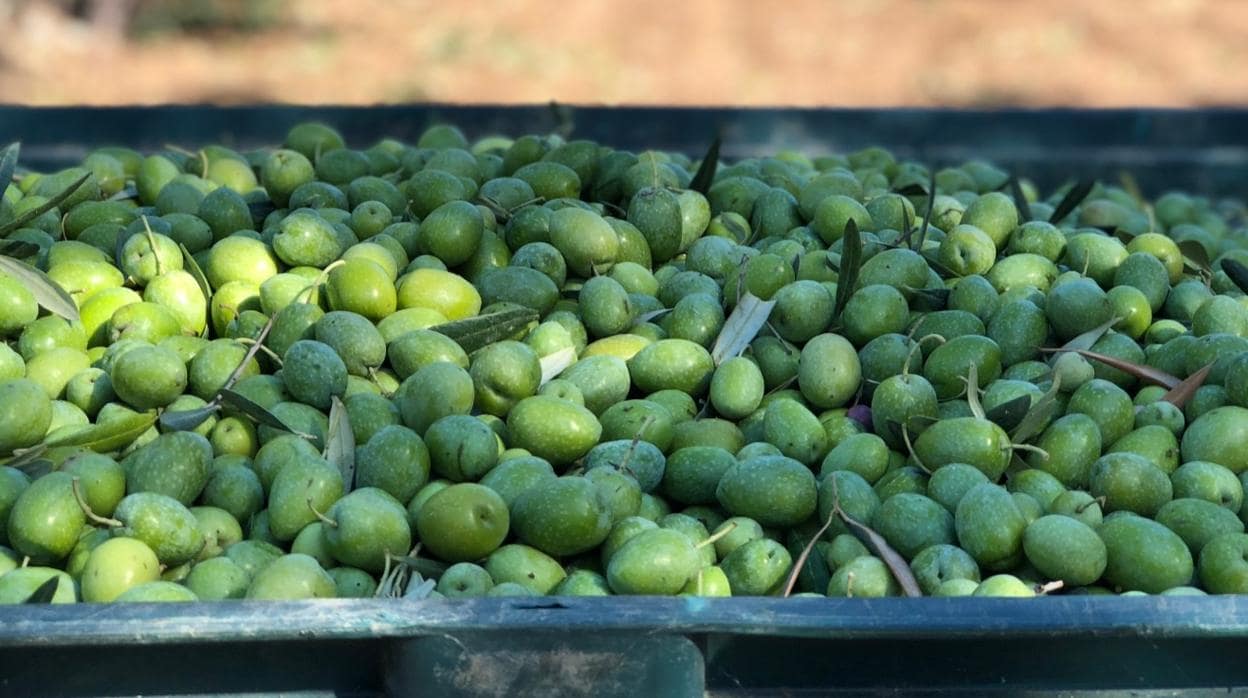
{"points": [[151, 242], [1030, 449], [86, 508], [267, 351], [632, 448], [325, 519], [1049, 587], [905, 437], [710, 540], [251, 354], [918, 345]]}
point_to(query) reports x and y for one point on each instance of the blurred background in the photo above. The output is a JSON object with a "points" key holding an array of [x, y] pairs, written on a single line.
{"points": [[954, 53]]}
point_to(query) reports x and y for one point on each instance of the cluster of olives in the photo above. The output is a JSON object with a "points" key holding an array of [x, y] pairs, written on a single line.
{"points": [[547, 366]]}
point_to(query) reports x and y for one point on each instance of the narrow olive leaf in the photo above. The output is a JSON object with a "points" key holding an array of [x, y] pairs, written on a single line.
{"points": [[892, 559], [43, 208], [45, 592], [1037, 416], [21, 456], [36, 469], [739, 232], [741, 328], [421, 590], [252, 409], [1195, 255], [1010, 413], [109, 436], [1237, 272], [8, 164], [647, 317], [1088, 339], [972, 391], [187, 420], [18, 248], [340, 443], [126, 193], [706, 170], [555, 363], [423, 566], [48, 294], [927, 215], [908, 233], [1131, 186], [1181, 393], [192, 266], [1071, 201], [938, 296], [1144, 373], [1123, 236], [851, 263], [911, 189], [260, 209], [565, 123], [475, 332], [810, 545], [1020, 199]]}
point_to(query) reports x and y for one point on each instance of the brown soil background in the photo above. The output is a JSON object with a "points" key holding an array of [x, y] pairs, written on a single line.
{"points": [[730, 52]]}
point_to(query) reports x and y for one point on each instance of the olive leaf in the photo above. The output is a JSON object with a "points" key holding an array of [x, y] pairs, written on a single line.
{"points": [[739, 233], [1020, 200], [911, 189], [43, 208], [800, 563], [109, 436], [45, 592], [8, 164], [126, 193], [1181, 393], [35, 469], [972, 391], [706, 170], [1087, 340], [851, 264], [1010, 413], [1144, 373], [188, 420], [260, 209], [1131, 187], [1195, 255], [647, 317], [340, 443], [565, 124], [1123, 236], [742, 326], [927, 217], [48, 294], [18, 248], [421, 590], [193, 268], [937, 296], [475, 332], [876, 543], [1237, 272], [1071, 201], [1038, 415], [557, 362], [253, 410]]}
